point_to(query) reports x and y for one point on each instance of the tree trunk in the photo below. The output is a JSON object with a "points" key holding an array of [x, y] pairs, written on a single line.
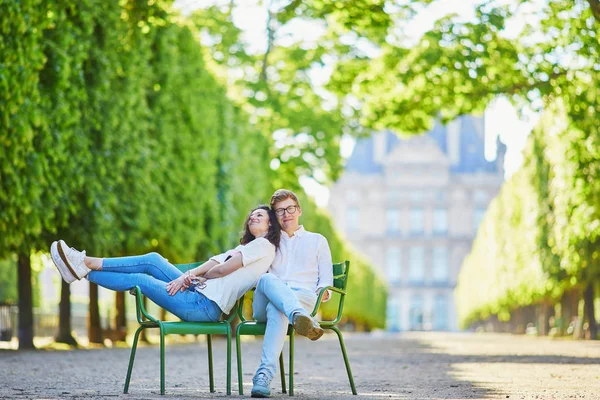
{"points": [[588, 310], [120, 318], [542, 323], [25, 302], [94, 329], [64, 316]]}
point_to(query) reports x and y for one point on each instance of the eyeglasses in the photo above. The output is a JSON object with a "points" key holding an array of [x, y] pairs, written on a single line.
{"points": [[290, 210]]}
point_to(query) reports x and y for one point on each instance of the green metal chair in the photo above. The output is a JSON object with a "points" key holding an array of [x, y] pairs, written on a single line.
{"points": [[250, 327], [180, 327]]}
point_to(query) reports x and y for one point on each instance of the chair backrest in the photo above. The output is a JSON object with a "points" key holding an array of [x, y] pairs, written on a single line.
{"points": [[187, 267], [340, 274], [340, 281]]}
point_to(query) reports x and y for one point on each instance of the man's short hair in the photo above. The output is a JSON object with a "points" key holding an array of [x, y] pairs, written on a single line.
{"points": [[281, 195]]}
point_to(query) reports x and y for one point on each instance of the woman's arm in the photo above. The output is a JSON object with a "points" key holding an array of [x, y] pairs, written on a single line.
{"points": [[231, 265], [185, 281], [204, 268]]}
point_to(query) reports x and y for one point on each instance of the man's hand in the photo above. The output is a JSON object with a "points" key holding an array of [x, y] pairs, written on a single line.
{"points": [[325, 295], [177, 285]]}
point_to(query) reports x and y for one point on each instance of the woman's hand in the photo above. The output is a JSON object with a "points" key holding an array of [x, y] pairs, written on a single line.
{"points": [[177, 285], [199, 281]]}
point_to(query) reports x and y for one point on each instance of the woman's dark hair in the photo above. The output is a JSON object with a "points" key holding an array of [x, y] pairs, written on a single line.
{"points": [[273, 234]]}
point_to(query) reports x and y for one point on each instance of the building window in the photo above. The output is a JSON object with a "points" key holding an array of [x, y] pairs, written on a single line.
{"points": [[393, 314], [478, 216], [352, 195], [352, 219], [416, 265], [416, 221], [394, 194], [440, 221], [393, 259], [480, 196], [417, 195], [393, 220], [440, 313], [440, 264], [416, 313], [440, 196]]}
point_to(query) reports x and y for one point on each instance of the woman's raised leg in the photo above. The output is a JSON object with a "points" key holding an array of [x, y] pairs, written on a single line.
{"points": [[180, 304], [152, 264]]}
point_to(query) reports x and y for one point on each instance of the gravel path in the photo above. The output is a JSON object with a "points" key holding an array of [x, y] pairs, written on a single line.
{"points": [[405, 366]]}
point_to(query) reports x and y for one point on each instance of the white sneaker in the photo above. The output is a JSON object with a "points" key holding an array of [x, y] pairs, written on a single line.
{"points": [[73, 259], [66, 274]]}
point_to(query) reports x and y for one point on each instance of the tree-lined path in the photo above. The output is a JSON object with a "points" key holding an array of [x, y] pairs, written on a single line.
{"points": [[405, 366]]}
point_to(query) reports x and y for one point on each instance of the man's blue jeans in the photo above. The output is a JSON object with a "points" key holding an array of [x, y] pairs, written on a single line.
{"points": [[151, 272], [276, 303]]}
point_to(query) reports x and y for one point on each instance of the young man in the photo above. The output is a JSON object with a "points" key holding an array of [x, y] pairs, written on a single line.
{"points": [[302, 267]]}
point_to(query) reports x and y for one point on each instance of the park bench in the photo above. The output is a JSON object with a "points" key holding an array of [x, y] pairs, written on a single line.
{"points": [[251, 327], [147, 321]]}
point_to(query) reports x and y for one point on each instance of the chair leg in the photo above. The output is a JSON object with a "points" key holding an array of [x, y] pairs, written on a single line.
{"points": [[348, 370], [162, 361], [238, 348], [292, 364], [210, 364], [282, 372], [228, 360], [132, 357]]}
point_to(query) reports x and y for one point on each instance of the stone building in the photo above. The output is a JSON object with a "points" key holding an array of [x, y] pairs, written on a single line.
{"points": [[412, 206]]}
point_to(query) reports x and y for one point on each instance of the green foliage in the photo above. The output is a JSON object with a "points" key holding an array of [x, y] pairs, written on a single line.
{"points": [[276, 89], [115, 135], [8, 280], [539, 237]]}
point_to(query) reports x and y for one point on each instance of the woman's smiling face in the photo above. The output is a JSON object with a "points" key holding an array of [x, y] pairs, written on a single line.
{"points": [[258, 222]]}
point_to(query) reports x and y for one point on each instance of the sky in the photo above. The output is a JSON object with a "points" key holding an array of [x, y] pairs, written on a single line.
{"points": [[501, 119]]}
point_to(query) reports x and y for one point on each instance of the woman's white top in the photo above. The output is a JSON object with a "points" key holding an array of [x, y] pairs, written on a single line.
{"points": [[257, 257]]}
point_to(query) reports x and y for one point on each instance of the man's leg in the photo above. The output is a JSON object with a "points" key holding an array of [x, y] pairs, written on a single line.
{"points": [[287, 300], [279, 294], [259, 305], [274, 300]]}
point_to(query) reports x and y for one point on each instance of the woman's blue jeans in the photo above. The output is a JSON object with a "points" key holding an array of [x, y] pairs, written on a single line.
{"points": [[151, 272]]}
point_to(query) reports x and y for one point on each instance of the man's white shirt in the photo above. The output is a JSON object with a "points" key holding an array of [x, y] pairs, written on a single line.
{"points": [[303, 261]]}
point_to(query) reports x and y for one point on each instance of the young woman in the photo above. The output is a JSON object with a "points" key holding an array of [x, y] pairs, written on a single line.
{"points": [[201, 294]]}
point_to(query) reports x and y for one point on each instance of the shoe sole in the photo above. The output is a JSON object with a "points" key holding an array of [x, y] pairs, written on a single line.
{"points": [[61, 252], [259, 395], [304, 326], [67, 274]]}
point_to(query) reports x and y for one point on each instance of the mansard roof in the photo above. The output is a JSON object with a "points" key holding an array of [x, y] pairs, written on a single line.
{"points": [[471, 149]]}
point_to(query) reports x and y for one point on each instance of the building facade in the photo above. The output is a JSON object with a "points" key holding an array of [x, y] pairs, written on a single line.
{"points": [[412, 206]]}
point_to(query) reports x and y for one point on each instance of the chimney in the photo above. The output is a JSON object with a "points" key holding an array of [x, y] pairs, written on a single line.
{"points": [[500, 155], [379, 147], [453, 132]]}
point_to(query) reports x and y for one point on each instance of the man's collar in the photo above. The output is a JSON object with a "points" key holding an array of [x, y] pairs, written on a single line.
{"points": [[299, 232]]}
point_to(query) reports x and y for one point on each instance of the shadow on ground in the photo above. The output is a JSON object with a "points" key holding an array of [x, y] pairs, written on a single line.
{"points": [[384, 367]]}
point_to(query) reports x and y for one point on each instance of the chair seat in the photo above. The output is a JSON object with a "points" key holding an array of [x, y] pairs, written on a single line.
{"points": [[184, 327], [147, 321], [257, 328]]}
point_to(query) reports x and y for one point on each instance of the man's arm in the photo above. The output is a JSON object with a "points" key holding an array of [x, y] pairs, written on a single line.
{"points": [[325, 267]]}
